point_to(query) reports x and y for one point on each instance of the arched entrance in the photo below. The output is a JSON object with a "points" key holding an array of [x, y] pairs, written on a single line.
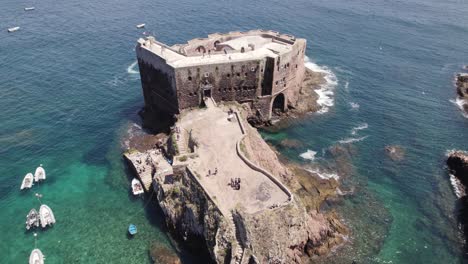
{"points": [[278, 104]]}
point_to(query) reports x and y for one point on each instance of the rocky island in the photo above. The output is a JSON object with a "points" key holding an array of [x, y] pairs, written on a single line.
{"points": [[216, 180], [462, 91]]}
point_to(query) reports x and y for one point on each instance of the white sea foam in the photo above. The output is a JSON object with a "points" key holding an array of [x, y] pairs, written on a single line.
{"points": [[359, 127], [346, 86], [351, 140], [354, 106], [324, 175], [457, 186], [325, 93], [309, 155], [459, 102], [131, 68]]}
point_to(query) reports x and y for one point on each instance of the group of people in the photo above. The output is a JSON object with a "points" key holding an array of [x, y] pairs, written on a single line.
{"points": [[235, 183], [214, 172]]}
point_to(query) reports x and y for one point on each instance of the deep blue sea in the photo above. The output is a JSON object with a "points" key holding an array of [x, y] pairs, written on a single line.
{"points": [[68, 94]]}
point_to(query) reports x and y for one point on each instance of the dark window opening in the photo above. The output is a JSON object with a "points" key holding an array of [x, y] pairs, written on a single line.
{"points": [[190, 78], [238, 74]]}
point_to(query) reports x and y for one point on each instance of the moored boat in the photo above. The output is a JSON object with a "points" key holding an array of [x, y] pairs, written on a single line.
{"points": [[32, 219], [36, 257], [132, 229], [141, 25], [29, 8], [13, 29], [40, 174], [27, 181], [137, 188], [46, 215]]}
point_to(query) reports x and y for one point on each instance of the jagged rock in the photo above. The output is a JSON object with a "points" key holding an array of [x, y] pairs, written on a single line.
{"points": [[457, 163]]}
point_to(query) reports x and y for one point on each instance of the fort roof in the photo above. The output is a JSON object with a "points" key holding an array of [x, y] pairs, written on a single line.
{"points": [[221, 48]]}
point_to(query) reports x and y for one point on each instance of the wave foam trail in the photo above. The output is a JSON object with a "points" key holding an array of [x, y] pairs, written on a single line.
{"points": [[359, 127], [351, 140], [131, 68], [309, 155], [324, 175], [325, 93], [460, 103]]}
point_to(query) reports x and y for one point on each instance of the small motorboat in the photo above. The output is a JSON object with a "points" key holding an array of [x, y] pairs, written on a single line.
{"points": [[40, 174], [140, 25], [36, 257], [132, 229], [137, 188], [29, 8], [32, 219], [27, 181], [46, 215], [13, 29]]}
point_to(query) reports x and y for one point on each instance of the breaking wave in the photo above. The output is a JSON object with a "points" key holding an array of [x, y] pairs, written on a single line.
{"points": [[131, 68], [351, 140], [324, 175], [308, 155], [458, 187], [354, 106], [459, 102], [359, 127], [326, 92]]}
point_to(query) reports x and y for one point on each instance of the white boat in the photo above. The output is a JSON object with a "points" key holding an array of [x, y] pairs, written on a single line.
{"points": [[29, 8], [13, 29], [36, 257], [137, 188], [141, 25], [27, 181], [32, 219], [46, 215], [39, 174]]}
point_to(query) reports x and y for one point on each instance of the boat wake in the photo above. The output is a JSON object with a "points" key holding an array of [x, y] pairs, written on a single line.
{"points": [[461, 104], [326, 92], [308, 155], [352, 140], [131, 69], [359, 127]]}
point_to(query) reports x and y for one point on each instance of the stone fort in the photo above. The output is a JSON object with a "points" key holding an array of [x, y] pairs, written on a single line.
{"points": [[264, 69]]}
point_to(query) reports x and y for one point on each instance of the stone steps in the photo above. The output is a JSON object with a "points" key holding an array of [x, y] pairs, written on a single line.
{"points": [[237, 259]]}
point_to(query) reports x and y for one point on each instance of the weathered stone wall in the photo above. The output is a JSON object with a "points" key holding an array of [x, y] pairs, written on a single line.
{"points": [[158, 82], [237, 81]]}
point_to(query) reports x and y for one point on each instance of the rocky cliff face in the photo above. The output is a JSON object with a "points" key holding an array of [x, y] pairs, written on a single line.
{"points": [[462, 91], [457, 163]]}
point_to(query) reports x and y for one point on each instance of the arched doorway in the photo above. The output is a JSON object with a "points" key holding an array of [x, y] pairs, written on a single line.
{"points": [[278, 104], [201, 49]]}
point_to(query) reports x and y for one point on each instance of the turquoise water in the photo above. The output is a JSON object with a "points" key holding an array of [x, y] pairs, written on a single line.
{"points": [[67, 99]]}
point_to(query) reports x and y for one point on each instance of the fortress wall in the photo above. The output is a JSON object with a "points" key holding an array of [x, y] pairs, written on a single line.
{"points": [[237, 81], [158, 82], [289, 68]]}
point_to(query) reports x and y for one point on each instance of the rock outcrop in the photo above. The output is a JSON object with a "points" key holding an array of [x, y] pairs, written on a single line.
{"points": [[457, 163], [462, 91], [290, 233]]}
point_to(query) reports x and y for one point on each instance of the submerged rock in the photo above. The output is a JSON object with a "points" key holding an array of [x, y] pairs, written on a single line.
{"points": [[162, 255], [290, 143], [395, 152]]}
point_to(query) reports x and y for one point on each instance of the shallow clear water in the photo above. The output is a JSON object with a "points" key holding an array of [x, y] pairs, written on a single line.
{"points": [[67, 97]]}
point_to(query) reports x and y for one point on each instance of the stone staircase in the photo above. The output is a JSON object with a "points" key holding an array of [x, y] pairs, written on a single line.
{"points": [[182, 142], [237, 249]]}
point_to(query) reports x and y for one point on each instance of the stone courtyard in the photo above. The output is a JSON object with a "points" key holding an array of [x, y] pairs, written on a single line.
{"points": [[216, 161]]}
